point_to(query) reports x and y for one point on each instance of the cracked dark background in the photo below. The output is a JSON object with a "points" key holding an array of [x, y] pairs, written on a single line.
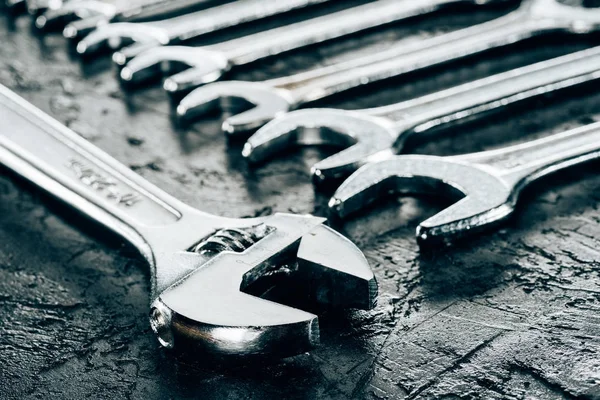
{"points": [[513, 314]]}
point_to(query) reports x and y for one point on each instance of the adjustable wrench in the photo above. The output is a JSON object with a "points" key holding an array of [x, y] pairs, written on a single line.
{"points": [[490, 181], [378, 133], [87, 19], [208, 63], [277, 96], [203, 266], [173, 30]]}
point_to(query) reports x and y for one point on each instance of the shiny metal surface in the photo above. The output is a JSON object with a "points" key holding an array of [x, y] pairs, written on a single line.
{"points": [[172, 30], [198, 297], [490, 182], [532, 18], [208, 63], [377, 134]]}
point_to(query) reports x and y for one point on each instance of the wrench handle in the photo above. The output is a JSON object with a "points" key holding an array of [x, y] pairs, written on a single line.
{"points": [[192, 25], [524, 163], [479, 98], [55, 158], [320, 29], [401, 59]]}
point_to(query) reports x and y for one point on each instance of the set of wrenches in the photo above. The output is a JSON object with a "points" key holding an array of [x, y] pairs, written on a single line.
{"points": [[212, 276]]}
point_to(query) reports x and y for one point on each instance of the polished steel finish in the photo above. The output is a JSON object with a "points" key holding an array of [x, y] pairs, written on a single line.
{"points": [[79, 21], [490, 181], [145, 35], [201, 264], [275, 97], [208, 63], [378, 133]]}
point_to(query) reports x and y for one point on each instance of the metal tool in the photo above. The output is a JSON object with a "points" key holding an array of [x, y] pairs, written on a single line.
{"points": [[208, 63], [490, 181], [271, 98], [378, 133], [173, 30], [202, 265], [139, 11]]}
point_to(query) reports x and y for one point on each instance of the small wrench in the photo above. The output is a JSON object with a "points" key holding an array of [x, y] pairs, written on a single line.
{"points": [[173, 30], [207, 271], [277, 96], [150, 10], [378, 133], [489, 181], [208, 63]]}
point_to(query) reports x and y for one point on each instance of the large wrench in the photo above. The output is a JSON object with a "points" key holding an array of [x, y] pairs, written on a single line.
{"points": [[92, 13], [173, 30], [208, 63], [378, 133], [201, 264], [490, 181], [150, 10], [275, 97]]}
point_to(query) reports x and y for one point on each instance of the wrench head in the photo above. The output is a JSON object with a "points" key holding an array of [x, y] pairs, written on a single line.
{"points": [[485, 198], [200, 66], [258, 101], [364, 138], [56, 19], [117, 35], [217, 307]]}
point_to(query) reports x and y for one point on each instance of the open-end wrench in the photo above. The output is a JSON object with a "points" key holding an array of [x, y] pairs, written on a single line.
{"points": [[377, 134], [208, 63], [172, 30], [270, 98], [203, 266], [490, 182], [139, 11]]}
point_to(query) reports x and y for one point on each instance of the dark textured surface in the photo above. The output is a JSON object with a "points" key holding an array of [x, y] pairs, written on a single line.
{"points": [[513, 314]]}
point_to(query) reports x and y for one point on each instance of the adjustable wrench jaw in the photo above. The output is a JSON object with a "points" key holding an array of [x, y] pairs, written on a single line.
{"points": [[200, 66], [69, 12], [364, 138], [258, 101], [211, 301], [487, 198], [117, 35]]}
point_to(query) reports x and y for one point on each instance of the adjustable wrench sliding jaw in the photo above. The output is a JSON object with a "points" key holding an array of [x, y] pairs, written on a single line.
{"points": [[145, 35], [208, 63], [269, 99], [490, 182], [201, 264], [377, 134]]}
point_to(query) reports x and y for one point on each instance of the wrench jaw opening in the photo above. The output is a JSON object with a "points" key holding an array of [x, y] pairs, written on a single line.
{"points": [[53, 20], [248, 105], [484, 198], [115, 36], [362, 138], [199, 66], [225, 306]]}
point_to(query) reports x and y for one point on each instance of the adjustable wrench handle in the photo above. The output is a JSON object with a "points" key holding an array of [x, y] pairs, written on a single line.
{"points": [[534, 17], [355, 19], [479, 98], [524, 163], [55, 158]]}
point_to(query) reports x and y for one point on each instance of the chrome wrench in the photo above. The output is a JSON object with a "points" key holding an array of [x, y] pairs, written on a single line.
{"points": [[490, 181], [173, 30], [271, 98], [201, 264], [378, 133], [151, 10], [208, 63]]}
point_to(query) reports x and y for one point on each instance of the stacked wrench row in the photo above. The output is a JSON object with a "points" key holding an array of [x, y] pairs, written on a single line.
{"points": [[230, 318]]}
